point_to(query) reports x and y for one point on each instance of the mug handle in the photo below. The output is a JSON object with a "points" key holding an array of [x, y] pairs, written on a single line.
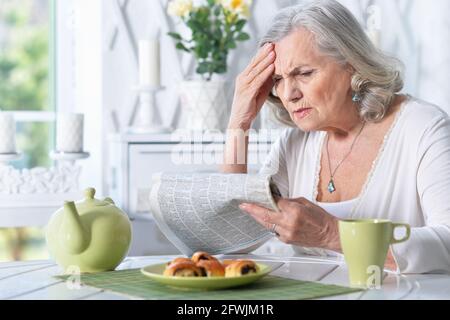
{"points": [[399, 225]]}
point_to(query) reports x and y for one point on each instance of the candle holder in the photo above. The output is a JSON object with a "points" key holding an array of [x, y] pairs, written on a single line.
{"points": [[148, 113], [70, 132], [6, 158], [70, 157]]}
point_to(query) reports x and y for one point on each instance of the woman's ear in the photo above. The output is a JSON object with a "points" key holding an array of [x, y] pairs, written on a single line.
{"points": [[349, 68]]}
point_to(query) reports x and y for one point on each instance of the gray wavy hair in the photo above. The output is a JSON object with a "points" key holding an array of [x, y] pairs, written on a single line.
{"points": [[338, 34]]}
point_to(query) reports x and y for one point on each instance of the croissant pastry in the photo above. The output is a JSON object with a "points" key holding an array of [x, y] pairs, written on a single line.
{"points": [[212, 268], [240, 268], [180, 259], [184, 269], [227, 262], [200, 255]]}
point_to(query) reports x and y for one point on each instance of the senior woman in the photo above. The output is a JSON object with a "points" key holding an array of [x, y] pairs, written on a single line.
{"points": [[357, 147]]}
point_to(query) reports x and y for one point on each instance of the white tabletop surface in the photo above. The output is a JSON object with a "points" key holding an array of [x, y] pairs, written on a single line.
{"points": [[34, 279]]}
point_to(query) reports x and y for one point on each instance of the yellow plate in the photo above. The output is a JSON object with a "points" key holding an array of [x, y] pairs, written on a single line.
{"points": [[155, 272]]}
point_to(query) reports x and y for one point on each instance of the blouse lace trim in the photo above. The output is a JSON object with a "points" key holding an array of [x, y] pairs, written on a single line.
{"points": [[318, 169]]}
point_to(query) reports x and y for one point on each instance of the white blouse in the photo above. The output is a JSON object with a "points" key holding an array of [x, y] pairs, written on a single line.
{"points": [[409, 182], [340, 210]]}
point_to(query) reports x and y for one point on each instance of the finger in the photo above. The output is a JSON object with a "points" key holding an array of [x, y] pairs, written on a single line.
{"points": [[262, 221], [262, 214], [271, 226], [286, 204], [261, 54], [264, 92], [261, 66], [264, 76]]}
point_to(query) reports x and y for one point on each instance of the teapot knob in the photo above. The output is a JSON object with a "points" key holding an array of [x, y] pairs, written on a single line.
{"points": [[109, 200], [89, 193]]}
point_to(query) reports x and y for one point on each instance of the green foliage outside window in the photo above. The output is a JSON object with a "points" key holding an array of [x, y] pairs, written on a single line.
{"points": [[24, 72], [24, 86]]}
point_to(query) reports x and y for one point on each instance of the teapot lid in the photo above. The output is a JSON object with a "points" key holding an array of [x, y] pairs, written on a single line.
{"points": [[90, 199]]}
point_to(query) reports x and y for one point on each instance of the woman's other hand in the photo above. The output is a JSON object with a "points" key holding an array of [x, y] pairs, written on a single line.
{"points": [[299, 222], [253, 86]]}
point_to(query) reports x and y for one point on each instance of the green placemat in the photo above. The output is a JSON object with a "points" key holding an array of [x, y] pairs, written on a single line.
{"points": [[134, 284]]}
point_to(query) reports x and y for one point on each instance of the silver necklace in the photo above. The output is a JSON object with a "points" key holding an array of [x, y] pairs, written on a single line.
{"points": [[331, 186]]}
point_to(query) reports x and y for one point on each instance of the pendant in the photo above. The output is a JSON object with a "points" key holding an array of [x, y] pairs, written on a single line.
{"points": [[331, 186]]}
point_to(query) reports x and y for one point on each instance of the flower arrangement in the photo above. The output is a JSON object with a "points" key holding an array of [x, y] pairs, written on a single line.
{"points": [[216, 26]]}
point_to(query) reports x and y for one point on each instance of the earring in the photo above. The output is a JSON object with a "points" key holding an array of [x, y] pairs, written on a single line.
{"points": [[356, 97], [273, 92]]}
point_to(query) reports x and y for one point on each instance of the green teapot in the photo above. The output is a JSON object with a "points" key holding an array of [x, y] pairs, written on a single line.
{"points": [[89, 236]]}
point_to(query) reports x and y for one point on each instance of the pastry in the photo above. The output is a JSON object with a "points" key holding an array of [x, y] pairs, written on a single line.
{"points": [[212, 268], [200, 255], [240, 268], [179, 259], [227, 262], [202, 264], [184, 269]]}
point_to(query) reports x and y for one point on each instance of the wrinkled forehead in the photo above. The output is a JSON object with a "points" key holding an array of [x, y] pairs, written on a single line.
{"points": [[298, 48]]}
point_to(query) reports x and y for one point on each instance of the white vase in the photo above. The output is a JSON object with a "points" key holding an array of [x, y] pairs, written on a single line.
{"points": [[204, 103]]}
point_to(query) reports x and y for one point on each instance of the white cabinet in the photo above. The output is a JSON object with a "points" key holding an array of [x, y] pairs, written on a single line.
{"points": [[135, 158], [145, 160]]}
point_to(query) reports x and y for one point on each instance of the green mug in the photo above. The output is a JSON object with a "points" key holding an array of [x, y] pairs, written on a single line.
{"points": [[365, 244]]}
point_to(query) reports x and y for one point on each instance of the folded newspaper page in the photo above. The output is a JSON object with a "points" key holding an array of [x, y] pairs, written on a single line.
{"points": [[200, 211]]}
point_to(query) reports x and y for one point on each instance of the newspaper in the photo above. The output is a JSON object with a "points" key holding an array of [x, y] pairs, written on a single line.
{"points": [[200, 211]]}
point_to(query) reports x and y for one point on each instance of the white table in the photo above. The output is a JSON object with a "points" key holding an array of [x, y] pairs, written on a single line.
{"points": [[34, 280]]}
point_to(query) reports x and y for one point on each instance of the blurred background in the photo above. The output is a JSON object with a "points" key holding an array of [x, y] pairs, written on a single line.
{"points": [[82, 56], [26, 33]]}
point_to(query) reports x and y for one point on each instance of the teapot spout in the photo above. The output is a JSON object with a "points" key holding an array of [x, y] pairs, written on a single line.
{"points": [[74, 237]]}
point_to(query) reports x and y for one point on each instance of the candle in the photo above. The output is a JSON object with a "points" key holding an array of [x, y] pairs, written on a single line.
{"points": [[149, 63], [375, 36], [7, 133], [69, 133]]}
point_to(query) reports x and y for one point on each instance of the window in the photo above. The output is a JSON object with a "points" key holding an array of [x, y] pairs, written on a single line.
{"points": [[26, 76], [27, 68]]}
